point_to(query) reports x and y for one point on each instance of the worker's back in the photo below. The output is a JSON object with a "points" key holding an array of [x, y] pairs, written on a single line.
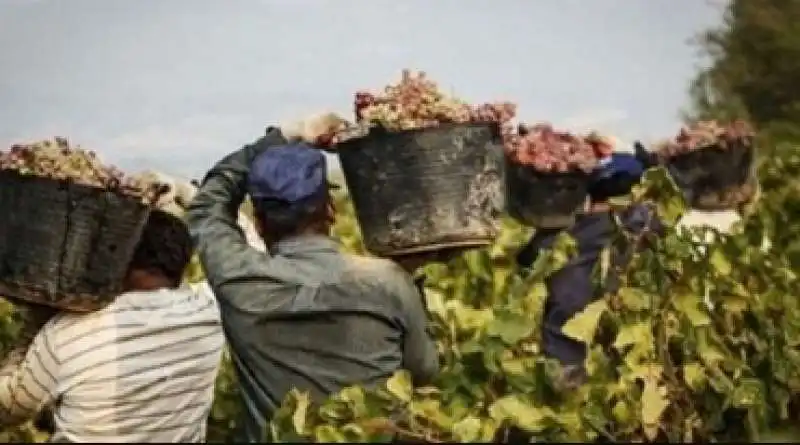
{"points": [[140, 370], [324, 321]]}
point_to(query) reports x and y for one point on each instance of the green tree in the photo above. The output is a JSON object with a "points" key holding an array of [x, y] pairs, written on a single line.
{"points": [[754, 64]]}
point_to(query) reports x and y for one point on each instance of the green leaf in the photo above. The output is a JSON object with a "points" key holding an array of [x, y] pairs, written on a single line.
{"points": [[691, 306], [399, 385], [583, 325], [639, 332], [511, 328], [634, 299], [748, 393], [654, 403], [300, 414], [523, 414], [720, 262], [694, 375], [538, 291], [329, 434], [468, 429]]}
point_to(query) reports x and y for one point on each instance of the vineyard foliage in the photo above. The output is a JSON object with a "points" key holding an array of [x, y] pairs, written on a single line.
{"points": [[700, 343]]}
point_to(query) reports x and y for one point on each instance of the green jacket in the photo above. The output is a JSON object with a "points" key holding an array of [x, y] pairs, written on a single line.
{"points": [[303, 315]]}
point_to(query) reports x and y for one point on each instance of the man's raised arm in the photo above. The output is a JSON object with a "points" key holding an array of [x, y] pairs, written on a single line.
{"points": [[213, 214]]}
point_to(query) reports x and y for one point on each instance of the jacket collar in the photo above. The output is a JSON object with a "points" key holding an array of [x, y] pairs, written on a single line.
{"points": [[305, 244]]}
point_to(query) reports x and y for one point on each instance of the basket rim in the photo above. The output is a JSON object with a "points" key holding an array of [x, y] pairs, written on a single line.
{"points": [[68, 183], [376, 130], [710, 147], [430, 247]]}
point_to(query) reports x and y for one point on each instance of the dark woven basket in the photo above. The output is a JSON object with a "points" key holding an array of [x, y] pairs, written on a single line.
{"points": [[64, 245], [426, 189], [547, 200], [713, 171]]}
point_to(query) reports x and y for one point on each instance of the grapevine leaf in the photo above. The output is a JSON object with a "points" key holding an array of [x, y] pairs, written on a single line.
{"points": [[478, 264], [300, 414], [622, 412], [399, 385], [510, 327], [538, 291], [632, 334], [524, 415], [468, 429], [329, 434], [654, 403], [634, 299], [694, 375], [690, 306], [583, 325], [720, 263], [748, 393]]}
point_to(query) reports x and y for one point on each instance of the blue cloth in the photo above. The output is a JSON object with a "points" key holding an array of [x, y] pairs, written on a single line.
{"points": [[618, 163], [291, 173], [572, 288]]}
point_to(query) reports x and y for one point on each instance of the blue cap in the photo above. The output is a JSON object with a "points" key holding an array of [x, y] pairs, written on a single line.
{"points": [[618, 164], [291, 173]]}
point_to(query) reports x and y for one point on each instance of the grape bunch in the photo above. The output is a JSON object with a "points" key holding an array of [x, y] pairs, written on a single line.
{"points": [[704, 134], [550, 151], [55, 159], [416, 102]]}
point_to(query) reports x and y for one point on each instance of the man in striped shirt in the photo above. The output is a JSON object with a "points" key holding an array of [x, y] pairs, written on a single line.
{"points": [[140, 370]]}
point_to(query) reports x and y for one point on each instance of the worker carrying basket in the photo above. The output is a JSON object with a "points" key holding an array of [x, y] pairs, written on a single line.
{"points": [[70, 227]]}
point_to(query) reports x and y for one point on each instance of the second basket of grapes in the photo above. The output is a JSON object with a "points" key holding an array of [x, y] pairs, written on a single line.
{"points": [[427, 171], [70, 225], [713, 163], [547, 175]]}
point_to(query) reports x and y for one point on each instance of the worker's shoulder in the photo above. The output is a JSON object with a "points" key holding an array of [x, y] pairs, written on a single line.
{"points": [[378, 271], [365, 266]]}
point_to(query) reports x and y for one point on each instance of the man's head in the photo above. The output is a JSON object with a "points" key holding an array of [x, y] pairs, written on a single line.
{"points": [[290, 192], [163, 252], [616, 175]]}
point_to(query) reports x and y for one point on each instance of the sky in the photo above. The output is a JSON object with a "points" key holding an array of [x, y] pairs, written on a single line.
{"points": [[175, 85]]}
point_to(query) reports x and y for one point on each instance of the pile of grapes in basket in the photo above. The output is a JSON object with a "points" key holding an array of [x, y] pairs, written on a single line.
{"points": [[550, 151], [705, 134], [416, 102], [56, 159]]}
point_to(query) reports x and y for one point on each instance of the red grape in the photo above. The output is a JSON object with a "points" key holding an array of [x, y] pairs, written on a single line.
{"points": [[550, 151], [704, 134]]}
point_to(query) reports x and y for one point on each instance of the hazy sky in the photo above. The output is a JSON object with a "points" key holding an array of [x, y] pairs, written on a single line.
{"points": [[177, 84]]}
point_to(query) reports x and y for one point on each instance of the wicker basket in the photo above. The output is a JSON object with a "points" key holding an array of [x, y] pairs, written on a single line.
{"points": [[64, 245], [547, 200], [426, 189], [715, 178]]}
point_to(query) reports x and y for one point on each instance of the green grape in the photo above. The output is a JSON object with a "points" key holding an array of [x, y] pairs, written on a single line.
{"points": [[56, 159]]}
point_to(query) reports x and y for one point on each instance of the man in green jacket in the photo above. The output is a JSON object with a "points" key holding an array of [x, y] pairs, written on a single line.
{"points": [[302, 315]]}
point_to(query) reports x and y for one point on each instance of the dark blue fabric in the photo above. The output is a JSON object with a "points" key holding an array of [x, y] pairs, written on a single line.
{"points": [[288, 173], [571, 289], [618, 163]]}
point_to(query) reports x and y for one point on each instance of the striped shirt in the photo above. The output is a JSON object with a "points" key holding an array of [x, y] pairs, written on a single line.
{"points": [[140, 370]]}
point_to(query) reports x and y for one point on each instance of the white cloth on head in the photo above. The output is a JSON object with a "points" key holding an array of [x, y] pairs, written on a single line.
{"points": [[180, 194]]}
